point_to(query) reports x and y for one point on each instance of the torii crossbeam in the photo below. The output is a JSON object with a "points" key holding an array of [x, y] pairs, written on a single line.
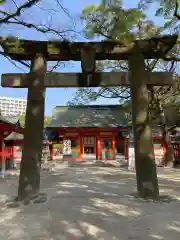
{"points": [[65, 80]]}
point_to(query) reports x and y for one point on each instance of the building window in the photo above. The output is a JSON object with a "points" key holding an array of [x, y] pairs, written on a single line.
{"points": [[106, 144], [89, 141], [74, 143]]}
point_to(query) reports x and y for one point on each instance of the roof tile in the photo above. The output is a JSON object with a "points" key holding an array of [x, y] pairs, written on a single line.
{"points": [[99, 116]]}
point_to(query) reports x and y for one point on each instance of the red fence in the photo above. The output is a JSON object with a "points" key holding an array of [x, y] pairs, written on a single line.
{"points": [[176, 147], [7, 152]]}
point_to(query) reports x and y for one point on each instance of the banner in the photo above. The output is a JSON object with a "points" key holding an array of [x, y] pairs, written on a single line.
{"points": [[66, 146]]}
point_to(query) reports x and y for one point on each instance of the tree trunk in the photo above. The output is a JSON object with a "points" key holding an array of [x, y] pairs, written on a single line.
{"points": [[169, 154], [168, 158], [29, 180], [146, 175]]}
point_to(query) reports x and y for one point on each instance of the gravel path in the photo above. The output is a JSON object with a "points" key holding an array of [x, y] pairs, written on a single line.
{"points": [[92, 203]]}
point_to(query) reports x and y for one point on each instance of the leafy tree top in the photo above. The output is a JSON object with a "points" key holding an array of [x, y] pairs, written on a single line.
{"points": [[47, 120]]}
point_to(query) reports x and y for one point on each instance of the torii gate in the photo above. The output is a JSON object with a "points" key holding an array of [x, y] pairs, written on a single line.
{"points": [[39, 52]]}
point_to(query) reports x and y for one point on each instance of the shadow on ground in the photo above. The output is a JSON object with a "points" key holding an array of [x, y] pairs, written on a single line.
{"points": [[92, 203]]}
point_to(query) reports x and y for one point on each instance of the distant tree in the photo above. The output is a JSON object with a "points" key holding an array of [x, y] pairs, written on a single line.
{"points": [[47, 120]]}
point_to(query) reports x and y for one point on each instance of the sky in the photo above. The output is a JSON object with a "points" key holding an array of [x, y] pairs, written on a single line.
{"points": [[55, 96]]}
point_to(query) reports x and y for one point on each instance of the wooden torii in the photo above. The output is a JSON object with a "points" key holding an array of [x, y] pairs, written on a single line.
{"points": [[39, 52]]}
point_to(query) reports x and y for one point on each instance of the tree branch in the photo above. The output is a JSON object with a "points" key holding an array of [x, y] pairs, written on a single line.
{"points": [[26, 64], [104, 35], [167, 59], [18, 11], [40, 28], [176, 10]]}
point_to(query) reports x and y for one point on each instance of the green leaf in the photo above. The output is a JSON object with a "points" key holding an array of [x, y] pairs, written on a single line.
{"points": [[159, 12]]}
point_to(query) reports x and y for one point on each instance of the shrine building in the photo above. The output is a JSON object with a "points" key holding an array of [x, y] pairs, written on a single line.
{"points": [[96, 131], [8, 125]]}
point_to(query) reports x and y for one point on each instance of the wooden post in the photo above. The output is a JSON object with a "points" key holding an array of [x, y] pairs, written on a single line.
{"points": [[98, 148], [81, 146], [29, 180], [126, 149], [3, 157], [51, 152], [114, 147], [146, 175]]}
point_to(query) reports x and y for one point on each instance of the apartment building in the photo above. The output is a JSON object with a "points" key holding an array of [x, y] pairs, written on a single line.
{"points": [[12, 106]]}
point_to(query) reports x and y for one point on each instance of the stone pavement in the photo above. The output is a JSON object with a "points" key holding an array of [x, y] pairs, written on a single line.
{"points": [[92, 202]]}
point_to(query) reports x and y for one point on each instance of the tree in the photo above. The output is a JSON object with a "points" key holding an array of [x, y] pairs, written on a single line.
{"points": [[111, 22], [166, 8], [105, 23], [47, 120]]}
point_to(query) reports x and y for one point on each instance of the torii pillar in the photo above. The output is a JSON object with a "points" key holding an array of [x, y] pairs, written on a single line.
{"points": [[146, 175], [33, 134]]}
